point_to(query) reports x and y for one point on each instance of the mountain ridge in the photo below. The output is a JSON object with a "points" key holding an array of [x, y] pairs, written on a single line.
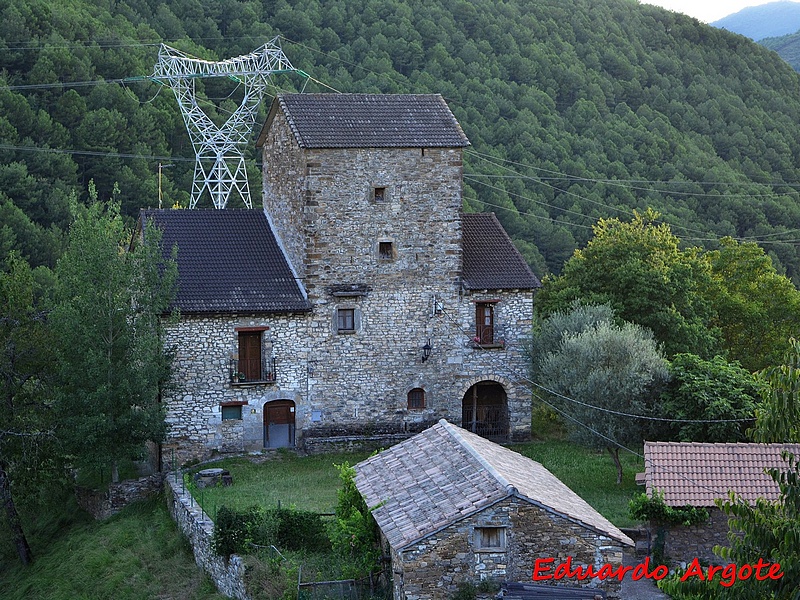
{"points": [[774, 19]]}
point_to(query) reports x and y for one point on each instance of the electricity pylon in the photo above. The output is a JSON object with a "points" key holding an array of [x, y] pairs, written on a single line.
{"points": [[219, 151]]}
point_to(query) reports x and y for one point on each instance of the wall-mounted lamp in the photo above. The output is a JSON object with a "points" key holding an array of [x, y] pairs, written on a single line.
{"points": [[426, 350]]}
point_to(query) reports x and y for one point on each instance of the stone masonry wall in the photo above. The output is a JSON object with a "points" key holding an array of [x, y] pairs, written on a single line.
{"points": [[204, 346], [197, 526], [102, 505], [322, 207], [433, 567], [684, 544], [322, 201]]}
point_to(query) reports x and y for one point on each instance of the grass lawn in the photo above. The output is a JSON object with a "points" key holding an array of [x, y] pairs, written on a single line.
{"points": [[311, 482], [301, 482], [138, 554], [592, 475]]}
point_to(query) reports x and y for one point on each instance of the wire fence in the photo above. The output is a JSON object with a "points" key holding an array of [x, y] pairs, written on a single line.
{"points": [[377, 586]]}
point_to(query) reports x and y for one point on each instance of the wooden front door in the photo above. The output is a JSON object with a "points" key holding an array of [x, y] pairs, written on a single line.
{"points": [[279, 424]]}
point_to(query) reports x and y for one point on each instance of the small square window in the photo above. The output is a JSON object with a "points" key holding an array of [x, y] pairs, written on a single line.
{"points": [[490, 538], [385, 251], [346, 319], [379, 194], [232, 413]]}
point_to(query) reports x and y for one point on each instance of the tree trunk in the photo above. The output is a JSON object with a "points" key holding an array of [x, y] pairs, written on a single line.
{"points": [[115, 472], [615, 455], [14, 523]]}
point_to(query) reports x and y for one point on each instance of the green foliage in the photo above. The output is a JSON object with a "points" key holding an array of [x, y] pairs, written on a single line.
{"points": [[638, 268], [653, 508], [241, 531], [778, 417], [234, 531], [709, 389], [756, 309], [106, 321], [138, 554], [465, 590], [604, 368], [354, 532], [768, 531]]}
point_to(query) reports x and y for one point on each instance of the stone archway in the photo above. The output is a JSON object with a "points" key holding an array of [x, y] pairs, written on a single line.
{"points": [[279, 428], [484, 410]]}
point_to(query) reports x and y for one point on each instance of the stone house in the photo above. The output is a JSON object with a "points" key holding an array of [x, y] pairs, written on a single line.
{"points": [[361, 303], [697, 474], [453, 507]]}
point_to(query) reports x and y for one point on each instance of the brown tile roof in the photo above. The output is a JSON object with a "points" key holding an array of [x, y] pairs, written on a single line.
{"points": [[697, 473], [369, 121], [447, 473], [228, 261], [491, 261]]}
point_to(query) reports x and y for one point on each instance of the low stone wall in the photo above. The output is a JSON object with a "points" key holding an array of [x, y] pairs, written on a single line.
{"points": [[102, 505], [351, 443], [228, 575]]}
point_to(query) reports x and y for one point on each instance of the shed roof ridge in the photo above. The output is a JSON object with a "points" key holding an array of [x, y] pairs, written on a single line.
{"points": [[510, 489]]}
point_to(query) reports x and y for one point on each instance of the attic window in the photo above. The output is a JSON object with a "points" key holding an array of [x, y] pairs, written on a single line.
{"points": [[490, 539], [379, 194]]}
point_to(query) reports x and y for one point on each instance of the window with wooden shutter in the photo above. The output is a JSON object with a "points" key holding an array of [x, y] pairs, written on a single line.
{"points": [[250, 355], [484, 323]]}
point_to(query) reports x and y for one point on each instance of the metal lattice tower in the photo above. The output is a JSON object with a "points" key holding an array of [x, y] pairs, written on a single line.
{"points": [[219, 151]]}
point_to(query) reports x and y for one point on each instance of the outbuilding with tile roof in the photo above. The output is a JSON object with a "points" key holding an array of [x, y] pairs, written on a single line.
{"points": [[455, 507], [697, 474], [360, 305]]}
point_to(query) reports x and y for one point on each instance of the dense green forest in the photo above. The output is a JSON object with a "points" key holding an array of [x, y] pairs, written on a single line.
{"points": [[787, 47], [576, 109]]}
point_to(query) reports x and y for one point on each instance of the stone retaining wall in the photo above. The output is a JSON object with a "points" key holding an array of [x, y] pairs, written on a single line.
{"points": [[102, 505], [197, 526]]}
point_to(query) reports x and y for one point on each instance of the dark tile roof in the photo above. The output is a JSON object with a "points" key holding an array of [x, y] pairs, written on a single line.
{"points": [[698, 473], [228, 261], [491, 261], [446, 473], [369, 121]]}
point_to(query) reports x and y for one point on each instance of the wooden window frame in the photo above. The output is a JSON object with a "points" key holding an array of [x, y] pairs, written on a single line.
{"points": [[234, 407], [484, 332], [249, 339], [416, 399], [343, 312], [490, 538]]}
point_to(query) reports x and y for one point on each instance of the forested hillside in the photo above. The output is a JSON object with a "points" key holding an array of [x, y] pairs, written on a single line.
{"points": [[576, 109], [787, 47]]}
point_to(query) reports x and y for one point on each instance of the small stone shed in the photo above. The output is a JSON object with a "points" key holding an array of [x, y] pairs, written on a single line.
{"points": [[696, 474], [456, 507]]}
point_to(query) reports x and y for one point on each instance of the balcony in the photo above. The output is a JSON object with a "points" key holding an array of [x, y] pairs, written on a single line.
{"points": [[252, 371]]}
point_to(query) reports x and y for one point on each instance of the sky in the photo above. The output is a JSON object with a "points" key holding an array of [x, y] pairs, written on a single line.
{"points": [[706, 10]]}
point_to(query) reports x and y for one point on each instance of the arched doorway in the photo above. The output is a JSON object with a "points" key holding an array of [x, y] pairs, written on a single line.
{"points": [[279, 424], [484, 410]]}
